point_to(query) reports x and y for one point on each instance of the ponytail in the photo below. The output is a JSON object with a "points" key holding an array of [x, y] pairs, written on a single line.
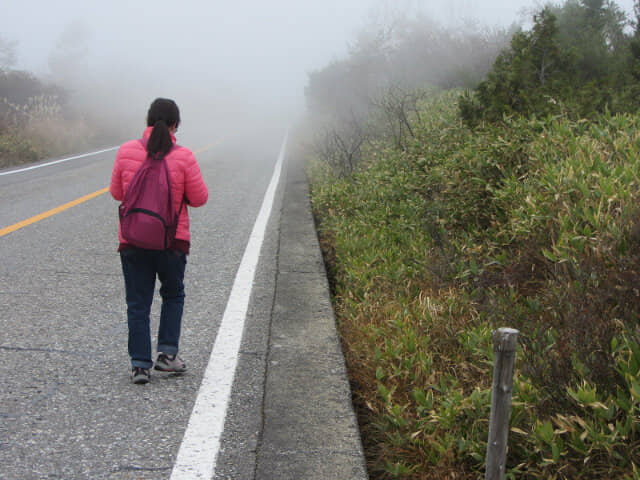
{"points": [[160, 141], [163, 113]]}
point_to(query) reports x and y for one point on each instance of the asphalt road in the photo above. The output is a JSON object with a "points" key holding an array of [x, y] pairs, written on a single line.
{"points": [[68, 409]]}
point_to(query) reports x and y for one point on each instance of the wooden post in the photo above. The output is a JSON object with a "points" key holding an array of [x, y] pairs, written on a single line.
{"points": [[505, 342]]}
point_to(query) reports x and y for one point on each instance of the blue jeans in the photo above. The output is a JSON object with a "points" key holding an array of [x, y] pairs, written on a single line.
{"points": [[140, 268]]}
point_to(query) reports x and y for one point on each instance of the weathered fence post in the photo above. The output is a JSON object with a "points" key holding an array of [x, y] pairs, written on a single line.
{"points": [[505, 341]]}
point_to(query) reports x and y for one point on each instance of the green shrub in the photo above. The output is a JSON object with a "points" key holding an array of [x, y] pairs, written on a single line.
{"points": [[15, 149], [531, 224], [577, 59]]}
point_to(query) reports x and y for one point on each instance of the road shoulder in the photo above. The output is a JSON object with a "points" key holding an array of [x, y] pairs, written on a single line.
{"points": [[310, 428]]}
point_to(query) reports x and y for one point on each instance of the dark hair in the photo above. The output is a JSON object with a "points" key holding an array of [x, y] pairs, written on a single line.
{"points": [[163, 114]]}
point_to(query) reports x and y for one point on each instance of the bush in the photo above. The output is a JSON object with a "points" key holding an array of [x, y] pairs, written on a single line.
{"points": [[15, 150], [35, 122], [531, 224], [576, 60]]}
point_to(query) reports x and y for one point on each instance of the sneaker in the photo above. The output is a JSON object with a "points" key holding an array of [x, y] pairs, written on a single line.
{"points": [[140, 375], [170, 363]]}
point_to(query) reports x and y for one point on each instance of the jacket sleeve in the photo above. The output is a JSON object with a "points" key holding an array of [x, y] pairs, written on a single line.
{"points": [[195, 188], [116, 187]]}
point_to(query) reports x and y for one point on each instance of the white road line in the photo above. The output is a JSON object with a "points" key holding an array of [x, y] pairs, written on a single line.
{"points": [[76, 157], [199, 449]]}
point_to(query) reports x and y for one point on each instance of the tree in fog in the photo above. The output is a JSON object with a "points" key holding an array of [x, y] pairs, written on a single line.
{"points": [[380, 84], [405, 53], [576, 60], [8, 55], [68, 61]]}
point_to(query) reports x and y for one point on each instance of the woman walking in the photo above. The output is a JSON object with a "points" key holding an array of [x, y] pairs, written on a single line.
{"points": [[141, 266]]}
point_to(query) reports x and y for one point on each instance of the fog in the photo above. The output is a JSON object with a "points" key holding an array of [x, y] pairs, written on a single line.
{"points": [[227, 63]]}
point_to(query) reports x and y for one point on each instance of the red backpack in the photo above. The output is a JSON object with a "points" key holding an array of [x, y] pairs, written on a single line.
{"points": [[147, 217]]}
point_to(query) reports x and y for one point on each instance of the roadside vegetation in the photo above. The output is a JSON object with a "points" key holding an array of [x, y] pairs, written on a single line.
{"points": [[34, 120], [446, 211], [40, 118]]}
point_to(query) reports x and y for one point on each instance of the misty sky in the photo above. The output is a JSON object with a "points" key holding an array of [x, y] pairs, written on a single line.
{"points": [[265, 47]]}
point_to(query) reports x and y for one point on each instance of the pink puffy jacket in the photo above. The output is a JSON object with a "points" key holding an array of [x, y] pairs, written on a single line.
{"points": [[186, 179]]}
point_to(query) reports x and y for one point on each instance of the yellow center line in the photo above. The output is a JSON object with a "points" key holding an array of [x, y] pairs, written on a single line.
{"points": [[66, 206], [51, 212], [211, 145]]}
